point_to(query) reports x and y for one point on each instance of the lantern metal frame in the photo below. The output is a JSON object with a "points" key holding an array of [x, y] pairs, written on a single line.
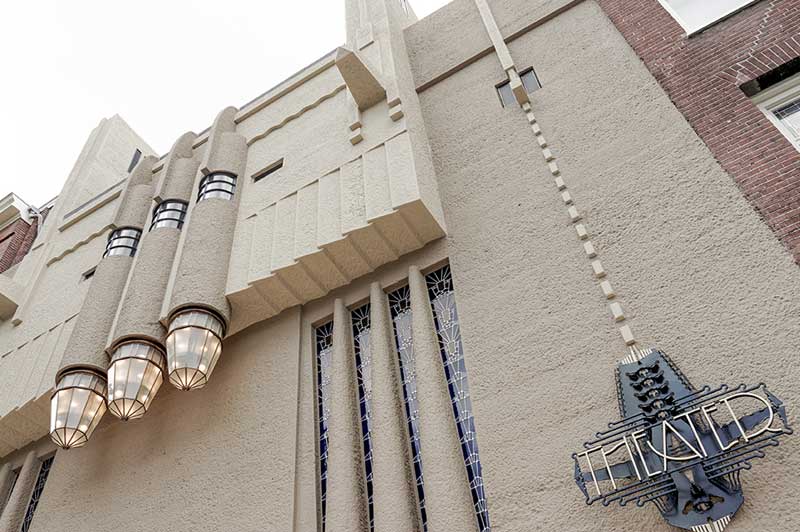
{"points": [[138, 408], [194, 383], [67, 437]]}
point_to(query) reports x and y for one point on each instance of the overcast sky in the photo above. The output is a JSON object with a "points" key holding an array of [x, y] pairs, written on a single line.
{"points": [[66, 65]]}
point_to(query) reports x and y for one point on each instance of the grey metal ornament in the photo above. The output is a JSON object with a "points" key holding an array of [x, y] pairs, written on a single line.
{"points": [[680, 448]]}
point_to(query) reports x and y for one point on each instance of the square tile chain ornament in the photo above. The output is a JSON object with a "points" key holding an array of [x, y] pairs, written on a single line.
{"points": [[678, 447]]}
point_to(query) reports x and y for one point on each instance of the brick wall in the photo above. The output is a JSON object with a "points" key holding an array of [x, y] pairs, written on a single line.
{"points": [[703, 75], [16, 240]]}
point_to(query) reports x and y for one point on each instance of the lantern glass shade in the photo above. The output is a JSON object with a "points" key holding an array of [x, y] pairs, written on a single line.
{"points": [[76, 408], [194, 344], [134, 377]]}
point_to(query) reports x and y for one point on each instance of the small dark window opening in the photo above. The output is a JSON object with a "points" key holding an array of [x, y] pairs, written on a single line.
{"points": [[773, 77], [88, 274], [271, 169], [134, 160], [529, 80]]}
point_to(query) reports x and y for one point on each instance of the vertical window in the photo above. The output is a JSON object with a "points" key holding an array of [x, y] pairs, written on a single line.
{"points": [[137, 154], [221, 185], [400, 307], [445, 313], [361, 343], [781, 105], [123, 242], [37, 493], [529, 80], [324, 341]]}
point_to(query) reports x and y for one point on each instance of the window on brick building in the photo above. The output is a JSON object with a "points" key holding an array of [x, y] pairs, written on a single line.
{"points": [[781, 104], [697, 15]]}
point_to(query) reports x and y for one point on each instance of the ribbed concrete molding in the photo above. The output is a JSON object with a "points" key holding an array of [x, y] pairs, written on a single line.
{"points": [[14, 512], [347, 496], [365, 214], [448, 501], [202, 273], [394, 488]]}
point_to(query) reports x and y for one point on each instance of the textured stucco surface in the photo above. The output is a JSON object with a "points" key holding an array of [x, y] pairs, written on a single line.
{"points": [[177, 176], [88, 341], [433, 50], [697, 272], [221, 458], [14, 511], [140, 310], [203, 271]]}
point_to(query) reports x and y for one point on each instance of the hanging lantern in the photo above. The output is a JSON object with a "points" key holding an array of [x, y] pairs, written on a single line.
{"points": [[76, 407], [134, 377], [194, 344]]}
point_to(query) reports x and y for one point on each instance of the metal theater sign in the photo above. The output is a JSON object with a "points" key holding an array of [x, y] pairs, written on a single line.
{"points": [[677, 447]]}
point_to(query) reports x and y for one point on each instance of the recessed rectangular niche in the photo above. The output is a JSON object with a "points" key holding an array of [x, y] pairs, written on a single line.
{"points": [[269, 170]]}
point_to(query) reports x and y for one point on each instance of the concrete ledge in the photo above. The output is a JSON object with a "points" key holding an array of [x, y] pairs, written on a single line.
{"points": [[10, 296], [343, 225]]}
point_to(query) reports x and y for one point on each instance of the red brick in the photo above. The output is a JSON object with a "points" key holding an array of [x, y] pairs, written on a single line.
{"points": [[702, 76]]}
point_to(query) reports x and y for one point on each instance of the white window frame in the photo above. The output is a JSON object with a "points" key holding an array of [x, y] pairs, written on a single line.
{"points": [[776, 97], [693, 31]]}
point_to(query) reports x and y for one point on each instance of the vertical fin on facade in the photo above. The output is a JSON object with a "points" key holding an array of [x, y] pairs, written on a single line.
{"points": [[201, 276]]}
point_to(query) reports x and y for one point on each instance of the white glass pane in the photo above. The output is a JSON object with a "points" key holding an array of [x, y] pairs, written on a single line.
{"points": [[789, 115], [697, 14]]}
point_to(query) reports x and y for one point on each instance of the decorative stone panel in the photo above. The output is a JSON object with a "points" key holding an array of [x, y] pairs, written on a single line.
{"points": [[364, 214]]}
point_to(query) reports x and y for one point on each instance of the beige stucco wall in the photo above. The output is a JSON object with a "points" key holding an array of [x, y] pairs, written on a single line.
{"points": [[70, 243], [221, 458], [697, 272]]}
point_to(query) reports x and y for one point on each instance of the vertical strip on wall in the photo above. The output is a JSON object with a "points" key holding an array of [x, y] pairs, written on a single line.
{"points": [[400, 307], [361, 343], [324, 349], [37, 493], [14, 475], [445, 313]]}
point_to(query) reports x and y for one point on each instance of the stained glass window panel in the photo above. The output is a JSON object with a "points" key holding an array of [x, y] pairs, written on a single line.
{"points": [[37, 493], [324, 348], [445, 313], [361, 343], [400, 306]]}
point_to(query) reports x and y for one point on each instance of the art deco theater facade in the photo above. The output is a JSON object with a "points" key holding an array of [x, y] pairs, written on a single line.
{"points": [[410, 287]]}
